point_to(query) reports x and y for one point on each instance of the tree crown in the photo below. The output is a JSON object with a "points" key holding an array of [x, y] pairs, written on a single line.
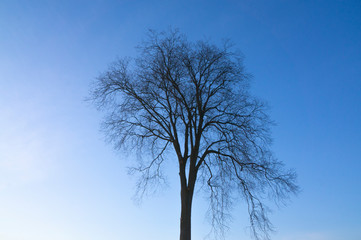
{"points": [[193, 98]]}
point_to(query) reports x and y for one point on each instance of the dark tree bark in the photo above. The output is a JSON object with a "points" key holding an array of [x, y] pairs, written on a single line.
{"points": [[192, 99], [187, 191], [186, 213]]}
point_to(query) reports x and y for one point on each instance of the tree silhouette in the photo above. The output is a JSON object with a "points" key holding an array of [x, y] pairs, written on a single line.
{"points": [[192, 99]]}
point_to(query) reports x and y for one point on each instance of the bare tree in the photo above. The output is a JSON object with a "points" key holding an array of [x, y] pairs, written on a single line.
{"points": [[192, 99]]}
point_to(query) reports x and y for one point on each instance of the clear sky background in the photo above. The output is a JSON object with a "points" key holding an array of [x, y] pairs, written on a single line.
{"points": [[60, 181]]}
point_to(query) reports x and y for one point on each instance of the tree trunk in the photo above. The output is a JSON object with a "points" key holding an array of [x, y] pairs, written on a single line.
{"points": [[185, 221]]}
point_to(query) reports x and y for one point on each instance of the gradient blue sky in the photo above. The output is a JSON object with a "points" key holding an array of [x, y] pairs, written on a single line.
{"points": [[60, 181]]}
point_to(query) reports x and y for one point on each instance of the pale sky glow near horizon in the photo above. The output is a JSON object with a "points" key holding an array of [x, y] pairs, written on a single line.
{"points": [[59, 180]]}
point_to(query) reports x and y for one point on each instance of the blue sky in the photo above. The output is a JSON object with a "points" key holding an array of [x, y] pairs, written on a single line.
{"points": [[59, 180]]}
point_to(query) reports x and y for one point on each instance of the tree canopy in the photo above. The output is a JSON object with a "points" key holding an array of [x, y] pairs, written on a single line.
{"points": [[192, 98]]}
